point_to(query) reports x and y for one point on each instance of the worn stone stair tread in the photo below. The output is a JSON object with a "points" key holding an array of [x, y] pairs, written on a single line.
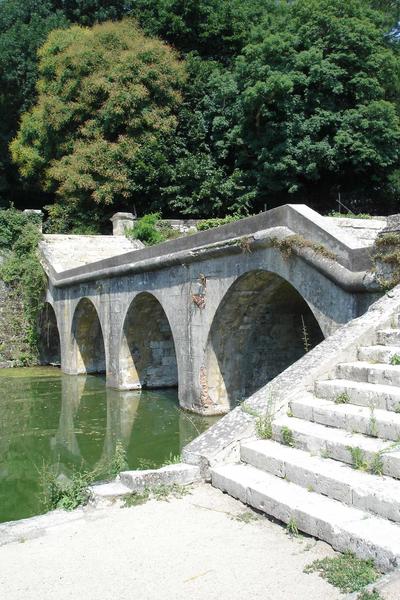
{"points": [[362, 393], [368, 372], [381, 353], [342, 526], [376, 494], [388, 336], [335, 443], [351, 417]]}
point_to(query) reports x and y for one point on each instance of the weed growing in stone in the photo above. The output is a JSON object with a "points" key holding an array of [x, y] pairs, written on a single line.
{"points": [[66, 494], [346, 572], [173, 459], [376, 464], [373, 595], [397, 409], [136, 498], [246, 517], [372, 425], [358, 459], [287, 436], [161, 492], [342, 398], [263, 424], [119, 461], [304, 336], [292, 528], [264, 427], [395, 359]]}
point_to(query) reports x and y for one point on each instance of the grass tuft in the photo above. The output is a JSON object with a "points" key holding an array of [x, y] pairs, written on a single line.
{"points": [[346, 572]]}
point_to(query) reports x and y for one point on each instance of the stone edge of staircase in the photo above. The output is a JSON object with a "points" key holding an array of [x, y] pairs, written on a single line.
{"points": [[221, 442]]}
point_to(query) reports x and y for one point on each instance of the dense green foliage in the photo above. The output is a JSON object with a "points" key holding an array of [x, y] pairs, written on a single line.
{"points": [[283, 101], [23, 274], [151, 229], [105, 111]]}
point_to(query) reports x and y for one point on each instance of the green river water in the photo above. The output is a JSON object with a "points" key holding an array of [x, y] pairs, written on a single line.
{"points": [[69, 422]]}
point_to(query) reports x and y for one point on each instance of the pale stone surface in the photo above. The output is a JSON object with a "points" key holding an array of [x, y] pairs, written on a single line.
{"points": [[344, 527], [180, 474], [185, 548], [65, 252], [380, 495], [352, 418], [386, 397], [335, 443]]}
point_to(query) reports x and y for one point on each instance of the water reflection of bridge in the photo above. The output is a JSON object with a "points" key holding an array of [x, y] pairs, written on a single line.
{"points": [[82, 443]]}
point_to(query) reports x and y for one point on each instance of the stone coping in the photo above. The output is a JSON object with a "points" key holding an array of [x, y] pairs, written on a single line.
{"points": [[299, 219]]}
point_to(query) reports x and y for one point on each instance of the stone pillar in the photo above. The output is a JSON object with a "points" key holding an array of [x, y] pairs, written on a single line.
{"points": [[37, 213], [122, 221], [386, 253]]}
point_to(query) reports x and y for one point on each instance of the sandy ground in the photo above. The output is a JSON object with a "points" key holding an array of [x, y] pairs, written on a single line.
{"points": [[191, 548]]}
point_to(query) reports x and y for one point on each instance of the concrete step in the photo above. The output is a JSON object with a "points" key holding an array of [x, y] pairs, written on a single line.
{"points": [[378, 354], [389, 337], [344, 527], [375, 423], [385, 397], [376, 494], [364, 371], [337, 444]]}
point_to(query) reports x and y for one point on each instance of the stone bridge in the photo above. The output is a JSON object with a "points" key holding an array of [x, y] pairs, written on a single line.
{"points": [[216, 314]]}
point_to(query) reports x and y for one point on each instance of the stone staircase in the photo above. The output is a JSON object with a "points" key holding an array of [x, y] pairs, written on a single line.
{"points": [[332, 466]]}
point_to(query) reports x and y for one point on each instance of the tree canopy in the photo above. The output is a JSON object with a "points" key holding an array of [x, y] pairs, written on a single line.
{"points": [[107, 101], [283, 101]]}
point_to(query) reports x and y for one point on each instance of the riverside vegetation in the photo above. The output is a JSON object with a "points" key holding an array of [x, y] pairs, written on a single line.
{"points": [[200, 108]]}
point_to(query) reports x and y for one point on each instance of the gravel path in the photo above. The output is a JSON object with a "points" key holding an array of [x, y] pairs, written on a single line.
{"points": [[191, 548]]}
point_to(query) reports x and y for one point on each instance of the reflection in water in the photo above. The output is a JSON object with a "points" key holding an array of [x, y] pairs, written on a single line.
{"points": [[72, 422]]}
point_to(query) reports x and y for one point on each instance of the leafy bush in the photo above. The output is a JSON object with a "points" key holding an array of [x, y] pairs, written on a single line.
{"points": [[23, 274], [12, 223], [151, 230]]}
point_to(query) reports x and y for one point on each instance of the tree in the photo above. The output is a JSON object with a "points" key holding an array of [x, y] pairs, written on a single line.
{"points": [[106, 111], [23, 29], [316, 107]]}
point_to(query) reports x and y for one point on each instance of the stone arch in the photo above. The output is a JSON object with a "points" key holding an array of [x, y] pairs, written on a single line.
{"points": [[49, 337], [257, 332], [88, 340], [147, 356]]}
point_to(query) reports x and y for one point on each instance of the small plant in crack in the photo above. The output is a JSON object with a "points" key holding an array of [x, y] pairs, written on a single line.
{"points": [[372, 425], [358, 459], [292, 528], [376, 464], [342, 398], [346, 571], [305, 336], [395, 359], [287, 436]]}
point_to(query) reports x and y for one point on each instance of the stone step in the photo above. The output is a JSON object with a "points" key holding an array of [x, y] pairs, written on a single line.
{"points": [[385, 397], [378, 354], [344, 527], [364, 371], [375, 423], [388, 337], [337, 444], [376, 494]]}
